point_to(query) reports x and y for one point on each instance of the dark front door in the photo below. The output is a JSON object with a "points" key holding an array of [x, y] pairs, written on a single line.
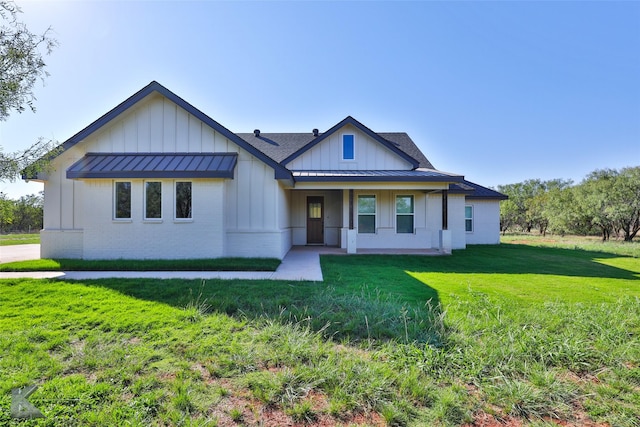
{"points": [[315, 220]]}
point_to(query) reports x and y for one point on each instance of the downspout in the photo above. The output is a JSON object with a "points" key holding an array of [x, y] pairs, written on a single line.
{"points": [[445, 209], [350, 209], [445, 234]]}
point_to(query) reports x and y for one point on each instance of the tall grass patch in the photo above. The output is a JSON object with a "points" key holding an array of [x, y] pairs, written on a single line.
{"points": [[530, 334]]}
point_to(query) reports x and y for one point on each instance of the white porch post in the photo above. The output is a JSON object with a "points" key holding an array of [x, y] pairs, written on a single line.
{"points": [[352, 236]]}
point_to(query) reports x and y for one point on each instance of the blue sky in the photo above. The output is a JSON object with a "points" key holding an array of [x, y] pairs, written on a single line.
{"points": [[500, 92]]}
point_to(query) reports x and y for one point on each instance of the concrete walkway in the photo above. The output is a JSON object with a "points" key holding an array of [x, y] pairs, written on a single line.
{"points": [[12, 253], [300, 264]]}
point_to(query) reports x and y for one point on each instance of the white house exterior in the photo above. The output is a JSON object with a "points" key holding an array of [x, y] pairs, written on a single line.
{"points": [[157, 178]]}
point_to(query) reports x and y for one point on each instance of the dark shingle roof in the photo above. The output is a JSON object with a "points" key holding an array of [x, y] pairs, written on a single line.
{"points": [[280, 146], [154, 165]]}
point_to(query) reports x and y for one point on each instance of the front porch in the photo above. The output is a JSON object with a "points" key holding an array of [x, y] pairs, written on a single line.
{"points": [[373, 220]]}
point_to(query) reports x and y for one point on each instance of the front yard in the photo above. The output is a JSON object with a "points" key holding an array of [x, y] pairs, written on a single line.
{"points": [[514, 335]]}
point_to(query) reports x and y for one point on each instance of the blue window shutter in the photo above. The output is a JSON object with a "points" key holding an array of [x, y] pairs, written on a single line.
{"points": [[347, 147]]}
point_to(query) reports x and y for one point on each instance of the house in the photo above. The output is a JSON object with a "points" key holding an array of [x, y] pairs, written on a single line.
{"points": [[157, 178]]}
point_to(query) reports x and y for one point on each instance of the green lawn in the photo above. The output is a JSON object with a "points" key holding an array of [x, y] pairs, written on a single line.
{"points": [[515, 333], [215, 264], [19, 239]]}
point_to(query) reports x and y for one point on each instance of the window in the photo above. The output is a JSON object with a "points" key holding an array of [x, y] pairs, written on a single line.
{"points": [[152, 200], [366, 214], [122, 200], [468, 218], [315, 210], [348, 148], [404, 214], [183, 200]]}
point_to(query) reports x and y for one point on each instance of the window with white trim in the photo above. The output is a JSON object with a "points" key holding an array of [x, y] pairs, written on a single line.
{"points": [[152, 200], [183, 200], [367, 214], [404, 214], [348, 147], [122, 200], [468, 218]]}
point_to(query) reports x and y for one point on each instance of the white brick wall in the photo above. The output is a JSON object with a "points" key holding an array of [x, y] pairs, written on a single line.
{"points": [[61, 243], [259, 244], [486, 222], [203, 237]]}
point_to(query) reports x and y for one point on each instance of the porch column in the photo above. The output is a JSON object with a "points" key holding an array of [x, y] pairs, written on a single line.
{"points": [[351, 232], [445, 235]]}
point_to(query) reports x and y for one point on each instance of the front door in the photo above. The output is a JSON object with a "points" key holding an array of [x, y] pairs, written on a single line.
{"points": [[315, 220]]}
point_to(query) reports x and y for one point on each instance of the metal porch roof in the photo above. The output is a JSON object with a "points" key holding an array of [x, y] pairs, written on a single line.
{"points": [[416, 175], [154, 165]]}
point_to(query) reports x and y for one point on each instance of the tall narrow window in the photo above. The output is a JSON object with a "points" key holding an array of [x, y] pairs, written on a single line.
{"points": [[122, 200], [468, 218], [183, 200], [152, 200], [348, 149], [366, 214], [404, 214]]}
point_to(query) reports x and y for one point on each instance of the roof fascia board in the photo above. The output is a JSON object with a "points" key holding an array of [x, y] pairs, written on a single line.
{"points": [[378, 179], [149, 174], [280, 171], [351, 121]]}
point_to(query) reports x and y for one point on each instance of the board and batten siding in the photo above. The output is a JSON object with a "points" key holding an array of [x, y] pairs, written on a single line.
{"points": [[332, 200], [243, 212], [456, 219], [386, 235], [368, 154]]}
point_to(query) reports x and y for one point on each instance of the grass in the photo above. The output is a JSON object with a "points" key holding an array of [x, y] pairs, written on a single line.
{"points": [[216, 264], [589, 243], [515, 333], [19, 239]]}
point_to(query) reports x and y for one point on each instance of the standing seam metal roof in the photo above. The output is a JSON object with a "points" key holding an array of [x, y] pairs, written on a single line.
{"points": [[154, 165]]}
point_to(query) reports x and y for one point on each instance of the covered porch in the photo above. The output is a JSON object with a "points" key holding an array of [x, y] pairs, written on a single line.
{"points": [[365, 215]]}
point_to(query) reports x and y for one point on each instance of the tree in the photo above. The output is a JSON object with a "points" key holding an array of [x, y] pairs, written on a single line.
{"points": [[28, 213], [624, 206], [6, 212], [21, 65], [21, 62]]}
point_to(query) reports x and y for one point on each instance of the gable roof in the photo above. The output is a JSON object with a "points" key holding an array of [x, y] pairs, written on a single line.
{"points": [[154, 165], [280, 146], [280, 171], [313, 141], [274, 149]]}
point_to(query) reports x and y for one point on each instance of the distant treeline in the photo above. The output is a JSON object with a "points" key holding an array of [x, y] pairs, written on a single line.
{"points": [[21, 215], [606, 203]]}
